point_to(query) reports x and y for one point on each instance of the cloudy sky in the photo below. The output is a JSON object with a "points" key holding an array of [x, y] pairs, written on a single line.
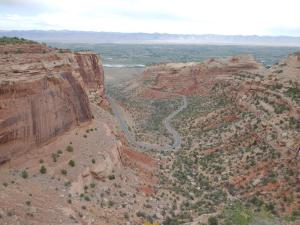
{"points": [[246, 17]]}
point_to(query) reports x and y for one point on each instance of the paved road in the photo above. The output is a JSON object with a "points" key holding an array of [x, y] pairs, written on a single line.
{"points": [[171, 130], [167, 123]]}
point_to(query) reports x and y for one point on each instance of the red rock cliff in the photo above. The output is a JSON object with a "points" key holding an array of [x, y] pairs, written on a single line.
{"points": [[43, 93], [193, 78]]}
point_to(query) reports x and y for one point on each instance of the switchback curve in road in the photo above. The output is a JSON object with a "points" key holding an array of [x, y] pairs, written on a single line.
{"points": [[177, 140]]}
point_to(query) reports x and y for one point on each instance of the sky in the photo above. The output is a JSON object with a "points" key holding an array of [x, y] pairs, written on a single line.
{"points": [[227, 17]]}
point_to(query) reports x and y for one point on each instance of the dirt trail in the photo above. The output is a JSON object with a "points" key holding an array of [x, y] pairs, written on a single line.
{"points": [[167, 123]]}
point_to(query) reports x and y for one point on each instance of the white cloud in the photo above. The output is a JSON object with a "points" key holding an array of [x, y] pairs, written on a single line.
{"points": [[172, 16]]}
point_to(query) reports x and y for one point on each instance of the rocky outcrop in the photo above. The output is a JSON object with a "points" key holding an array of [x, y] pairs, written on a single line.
{"points": [[194, 78], [287, 69], [92, 74], [43, 93]]}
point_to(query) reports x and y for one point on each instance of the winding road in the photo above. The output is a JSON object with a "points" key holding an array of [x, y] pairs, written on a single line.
{"points": [[170, 129], [167, 123]]}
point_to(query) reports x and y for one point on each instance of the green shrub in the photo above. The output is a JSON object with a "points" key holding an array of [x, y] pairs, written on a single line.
{"points": [[140, 214], [293, 92], [43, 169], [110, 203], [54, 157], [278, 108], [212, 220], [295, 215], [276, 86], [28, 203], [111, 177], [71, 163], [70, 148], [64, 172], [171, 221], [126, 215], [24, 174]]}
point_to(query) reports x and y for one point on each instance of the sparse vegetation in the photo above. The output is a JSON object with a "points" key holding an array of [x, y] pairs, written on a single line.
{"points": [[72, 163], [43, 169], [70, 148], [64, 172], [24, 174], [212, 220], [111, 177]]}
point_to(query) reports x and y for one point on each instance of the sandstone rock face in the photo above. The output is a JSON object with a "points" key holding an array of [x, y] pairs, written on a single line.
{"points": [[43, 93], [91, 73], [193, 78]]}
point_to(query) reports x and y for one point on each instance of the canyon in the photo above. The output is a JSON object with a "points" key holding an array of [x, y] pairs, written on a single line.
{"points": [[239, 131], [77, 150]]}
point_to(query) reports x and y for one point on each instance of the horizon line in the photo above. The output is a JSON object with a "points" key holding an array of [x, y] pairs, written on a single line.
{"points": [[136, 32]]}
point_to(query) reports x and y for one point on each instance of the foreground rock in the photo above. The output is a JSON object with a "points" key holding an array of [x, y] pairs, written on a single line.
{"points": [[44, 93], [62, 160]]}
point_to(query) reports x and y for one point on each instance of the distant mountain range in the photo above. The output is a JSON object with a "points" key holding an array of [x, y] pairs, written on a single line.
{"points": [[66, 36]]}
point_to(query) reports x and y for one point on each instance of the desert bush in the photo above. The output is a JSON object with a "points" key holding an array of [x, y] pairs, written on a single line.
{"points": [[111, 177], [24, 174], [293, 92], [276, 86], [64, 172], [212, 220], [43, 169], [70, 148], [72, 163], [279, 108]]}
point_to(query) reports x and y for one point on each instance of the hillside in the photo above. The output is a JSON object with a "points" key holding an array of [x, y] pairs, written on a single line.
{"points": [[238, 161]]}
